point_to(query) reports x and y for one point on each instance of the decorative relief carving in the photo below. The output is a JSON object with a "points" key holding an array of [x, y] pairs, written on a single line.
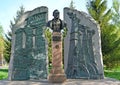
{"points": [[30, 49], [81, 58]]}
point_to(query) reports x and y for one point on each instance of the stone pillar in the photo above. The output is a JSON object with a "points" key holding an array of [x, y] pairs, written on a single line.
{"points": [[57, 74]]}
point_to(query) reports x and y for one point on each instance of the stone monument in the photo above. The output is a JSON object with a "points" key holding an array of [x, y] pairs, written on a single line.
{"points": [[57, 74], [82, 46], [29, 48]]}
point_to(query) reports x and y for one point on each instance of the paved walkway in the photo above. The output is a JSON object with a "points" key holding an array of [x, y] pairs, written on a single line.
{"points": [[68, 82]]}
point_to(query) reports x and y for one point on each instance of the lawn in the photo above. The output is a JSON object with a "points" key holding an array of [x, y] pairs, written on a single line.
{"points": [[3, 74], [113, 73]]}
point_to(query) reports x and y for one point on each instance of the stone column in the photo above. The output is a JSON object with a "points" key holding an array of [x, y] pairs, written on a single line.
{"points": [[57, 74]]}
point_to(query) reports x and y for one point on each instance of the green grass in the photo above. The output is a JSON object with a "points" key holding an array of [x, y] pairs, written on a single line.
{"points": [[113, 73], [3, 74]]}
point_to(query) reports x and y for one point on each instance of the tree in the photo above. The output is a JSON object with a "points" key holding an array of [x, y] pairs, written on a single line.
{"points": [[111, 46], [7, 44], [109, 34], [1, 42], [116, 23], [8, 37], [18, 15], [98, 10], [72, 5], [1, 39], [116, 13]]}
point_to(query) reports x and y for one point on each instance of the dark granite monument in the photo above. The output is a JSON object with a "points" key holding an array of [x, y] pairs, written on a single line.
{"points": [[29, 48], [57, 74], [82, 46]]}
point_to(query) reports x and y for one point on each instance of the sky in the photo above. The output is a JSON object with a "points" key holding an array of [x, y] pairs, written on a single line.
{"points": [[8, 8]]}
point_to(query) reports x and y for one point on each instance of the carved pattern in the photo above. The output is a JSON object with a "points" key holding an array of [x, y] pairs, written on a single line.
{"points": [[81, 62], [30, 58]]}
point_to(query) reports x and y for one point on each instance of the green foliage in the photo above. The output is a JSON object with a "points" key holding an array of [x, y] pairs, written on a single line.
{"points": [[110, 35], [115, 22], [98, 10], [116, 5], [19, 14], [1, 31], [64, 32], [113, 73], [72, 5], [3, 74], [116, 13], [111, 39], [1, 40], [48, 36], [7, 44]]}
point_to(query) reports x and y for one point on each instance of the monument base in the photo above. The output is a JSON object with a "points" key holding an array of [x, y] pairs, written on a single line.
{"points": [[57, 75], [57, 78]]}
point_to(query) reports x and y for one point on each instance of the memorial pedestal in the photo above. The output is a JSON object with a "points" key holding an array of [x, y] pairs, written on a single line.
{"points": [[57, 74]]}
